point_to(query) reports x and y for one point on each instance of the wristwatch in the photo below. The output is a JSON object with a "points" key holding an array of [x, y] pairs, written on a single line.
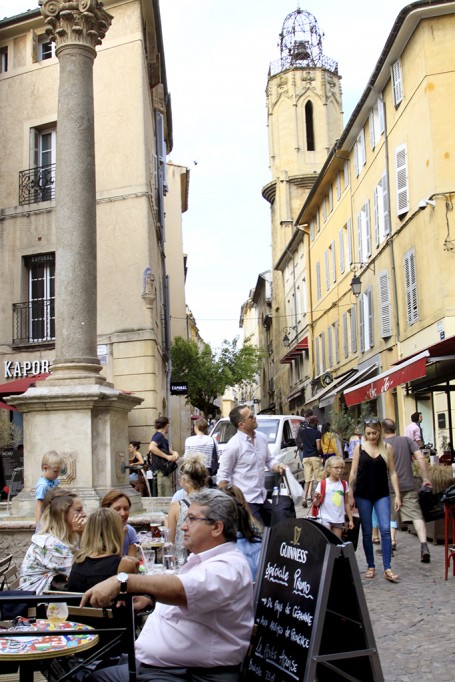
{"points": [[123, 580]]}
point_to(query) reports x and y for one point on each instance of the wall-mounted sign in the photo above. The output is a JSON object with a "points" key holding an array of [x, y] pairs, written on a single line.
{"points": [[179, 388], [16, 370], [326, 379]]}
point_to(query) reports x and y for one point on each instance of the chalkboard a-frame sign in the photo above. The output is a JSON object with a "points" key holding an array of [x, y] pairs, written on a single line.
{"points": [[311, 620]]}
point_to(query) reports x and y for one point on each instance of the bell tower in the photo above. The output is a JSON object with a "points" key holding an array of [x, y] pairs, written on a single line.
{"points": [[304, 119]]}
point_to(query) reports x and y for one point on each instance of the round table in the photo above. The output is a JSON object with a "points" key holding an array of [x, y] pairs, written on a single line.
{"points": [[29, 647]]}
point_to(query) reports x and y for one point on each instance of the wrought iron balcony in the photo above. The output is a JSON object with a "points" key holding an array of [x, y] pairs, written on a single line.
{"points": [[34, 322], [37, 184]]}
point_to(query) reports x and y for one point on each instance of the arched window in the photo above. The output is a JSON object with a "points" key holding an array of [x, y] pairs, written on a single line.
{"points": [[309, 125]]}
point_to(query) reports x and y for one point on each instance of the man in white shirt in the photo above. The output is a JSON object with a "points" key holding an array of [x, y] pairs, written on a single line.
{"points": [[200, 631], [244, 460]]}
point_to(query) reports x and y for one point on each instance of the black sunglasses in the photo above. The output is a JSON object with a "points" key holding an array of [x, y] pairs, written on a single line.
{"points": [[371, 420]]}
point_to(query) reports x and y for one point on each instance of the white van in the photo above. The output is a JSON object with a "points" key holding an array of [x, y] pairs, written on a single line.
{"points": [[281, 431]]}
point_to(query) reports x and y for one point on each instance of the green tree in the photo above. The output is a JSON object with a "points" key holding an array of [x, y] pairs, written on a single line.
{"points": [[209, 373]]}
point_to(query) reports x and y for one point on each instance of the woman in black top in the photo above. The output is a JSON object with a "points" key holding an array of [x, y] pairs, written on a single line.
{"points": [[372, 463], [100, 555]]}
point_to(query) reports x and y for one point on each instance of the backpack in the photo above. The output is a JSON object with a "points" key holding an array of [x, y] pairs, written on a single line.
{"points": [[314, 508], [299, 436]]}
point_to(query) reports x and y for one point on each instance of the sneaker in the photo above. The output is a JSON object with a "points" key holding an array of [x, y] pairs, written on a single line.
{"points": [[424, 553]]}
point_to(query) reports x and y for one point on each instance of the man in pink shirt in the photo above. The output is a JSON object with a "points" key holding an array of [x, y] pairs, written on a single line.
{"points": [[414, 430], [201, 626]]}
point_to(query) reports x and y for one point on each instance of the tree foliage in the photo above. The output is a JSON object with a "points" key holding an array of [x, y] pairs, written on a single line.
{"points": [[208, 373], [10, 434]]}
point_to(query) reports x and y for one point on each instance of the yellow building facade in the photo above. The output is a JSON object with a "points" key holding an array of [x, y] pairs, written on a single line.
{"points": [[380, 218]]}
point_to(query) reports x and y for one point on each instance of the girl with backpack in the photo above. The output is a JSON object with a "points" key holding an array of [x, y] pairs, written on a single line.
{"points": [[330, 501]]}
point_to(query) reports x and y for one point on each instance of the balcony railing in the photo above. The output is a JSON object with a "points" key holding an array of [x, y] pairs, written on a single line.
{"points": [[37, 184], [33, 322]]}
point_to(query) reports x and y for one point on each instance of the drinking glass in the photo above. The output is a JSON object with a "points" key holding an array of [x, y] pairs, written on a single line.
{"points": [[57, 612], [149, 558]]}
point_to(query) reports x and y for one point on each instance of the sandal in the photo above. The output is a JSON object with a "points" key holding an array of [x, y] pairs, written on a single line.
{"points": [[370, 573], [391, 576]]}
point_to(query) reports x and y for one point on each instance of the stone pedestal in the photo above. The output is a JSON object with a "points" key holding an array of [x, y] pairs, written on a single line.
{"points": [[88, 426]]}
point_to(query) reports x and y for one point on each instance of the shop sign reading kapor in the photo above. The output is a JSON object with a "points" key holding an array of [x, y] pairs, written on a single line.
{"points": [[16, 370]]}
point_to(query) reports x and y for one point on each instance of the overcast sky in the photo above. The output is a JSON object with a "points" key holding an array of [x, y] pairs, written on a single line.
{"points": [[217, 57]]}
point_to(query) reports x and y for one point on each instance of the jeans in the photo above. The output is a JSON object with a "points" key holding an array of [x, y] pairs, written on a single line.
{"points": [[149, 674], [382, 509]]}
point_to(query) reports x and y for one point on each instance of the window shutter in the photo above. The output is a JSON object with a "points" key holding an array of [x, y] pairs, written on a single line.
{"points": [[317, 356], [341, 249], [362, 157], [349, 231], [312, 229], [330, 199], [346, 173], [353, 331], [356, 158], [336, 342], [386, 312], [329, 343], [359, 236], [345, 335], [323, 365], [34, 148], [397, 82], [318, 281], [371, 126], [338, 184], [385, 205], [327, 269], [334, 269], [324, 209], [411, 286], [367, 242], [369, 296], [376, 203], [362, 323], [401, 170], [161, 149], [381, 116]]}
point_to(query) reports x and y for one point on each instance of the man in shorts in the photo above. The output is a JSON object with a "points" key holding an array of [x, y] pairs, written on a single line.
{"points": [[404, 449], [311, 457]]}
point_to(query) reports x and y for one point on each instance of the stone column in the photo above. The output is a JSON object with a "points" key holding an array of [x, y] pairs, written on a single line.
{"points": [[76, 27]]}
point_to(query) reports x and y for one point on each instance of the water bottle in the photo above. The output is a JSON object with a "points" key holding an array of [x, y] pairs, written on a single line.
{"points": [[275, 494]]}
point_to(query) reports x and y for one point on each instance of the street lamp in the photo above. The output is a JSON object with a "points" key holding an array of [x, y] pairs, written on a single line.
{"points": [[356, 284]]}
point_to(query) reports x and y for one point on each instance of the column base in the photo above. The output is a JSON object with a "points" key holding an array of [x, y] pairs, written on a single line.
{"points": [[87, 425]]}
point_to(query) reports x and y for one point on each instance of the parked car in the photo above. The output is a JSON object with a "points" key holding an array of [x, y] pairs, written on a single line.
{"points": [[281, 431]]}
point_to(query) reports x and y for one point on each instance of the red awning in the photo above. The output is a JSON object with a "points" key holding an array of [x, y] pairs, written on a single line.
{"points": [[21, 385], [295, 351], [399, 374], [4, 406]]}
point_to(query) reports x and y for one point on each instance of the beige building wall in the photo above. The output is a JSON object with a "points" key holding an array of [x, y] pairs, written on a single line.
{"points": [[130, 90], [176, 204]]}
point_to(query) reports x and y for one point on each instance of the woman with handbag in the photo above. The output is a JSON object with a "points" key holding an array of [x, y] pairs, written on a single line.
{"points": [[163, 460]]}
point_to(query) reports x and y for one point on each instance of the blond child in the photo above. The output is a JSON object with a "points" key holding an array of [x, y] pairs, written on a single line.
{"points": [[51, 465], [331, 497]]}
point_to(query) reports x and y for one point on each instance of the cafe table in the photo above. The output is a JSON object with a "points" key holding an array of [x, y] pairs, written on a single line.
{"points": [[28, 648]]}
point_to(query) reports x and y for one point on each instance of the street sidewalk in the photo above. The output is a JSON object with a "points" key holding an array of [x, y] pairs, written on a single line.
{"points": [[413, 620]]}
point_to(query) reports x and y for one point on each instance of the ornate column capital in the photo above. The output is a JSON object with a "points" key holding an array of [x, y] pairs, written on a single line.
{"points": [[82, 22]]}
